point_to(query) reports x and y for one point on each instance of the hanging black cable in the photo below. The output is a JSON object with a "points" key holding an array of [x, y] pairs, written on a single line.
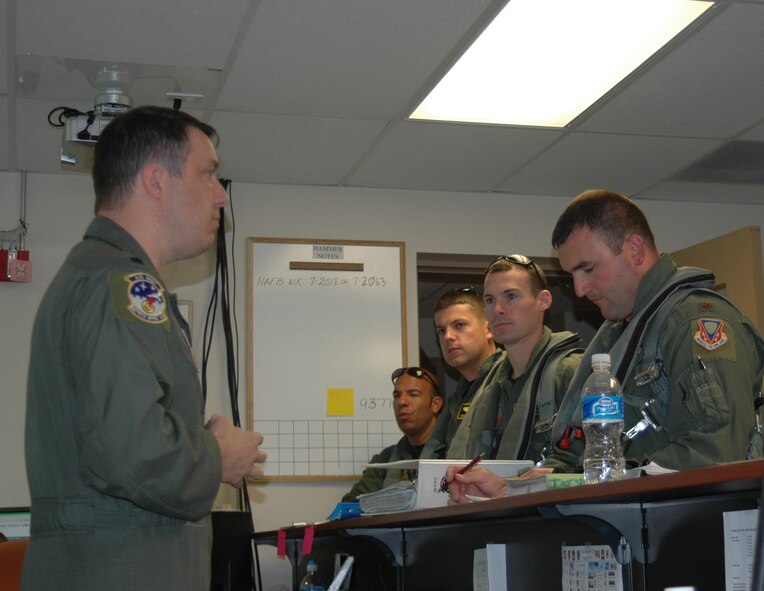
{"points": [[222, 293]]}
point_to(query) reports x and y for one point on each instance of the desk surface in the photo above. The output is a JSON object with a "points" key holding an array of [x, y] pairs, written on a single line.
{"points": [[714, 480]]}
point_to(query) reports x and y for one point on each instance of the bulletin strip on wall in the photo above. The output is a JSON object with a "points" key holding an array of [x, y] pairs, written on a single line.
{"points": [[326, 328]]}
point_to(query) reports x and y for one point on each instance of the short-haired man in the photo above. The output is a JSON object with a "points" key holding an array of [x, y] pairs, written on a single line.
{"points": [[416, 404], [673, 342], [467, 345], [675, 345], [512, 417], [122, 470]]}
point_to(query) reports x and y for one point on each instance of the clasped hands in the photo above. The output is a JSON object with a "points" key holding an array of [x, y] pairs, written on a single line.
{"points": [[239, 450]]}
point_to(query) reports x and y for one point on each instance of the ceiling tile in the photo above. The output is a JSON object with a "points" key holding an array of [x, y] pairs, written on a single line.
{"points": [[178, 32], [76, 79], [364, 58], [756, 133], [625, 163], [284, 149], [703, 88], [706, 193], [451, 157]]}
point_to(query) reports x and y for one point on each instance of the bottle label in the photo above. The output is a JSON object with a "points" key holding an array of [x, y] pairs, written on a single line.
{"points": [[602, 408]]}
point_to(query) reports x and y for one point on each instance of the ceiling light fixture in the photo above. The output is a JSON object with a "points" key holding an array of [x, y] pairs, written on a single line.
{"points": [[543, 62]]}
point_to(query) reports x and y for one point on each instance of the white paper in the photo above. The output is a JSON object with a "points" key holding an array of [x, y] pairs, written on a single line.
{"points": [[480, 570], [739, 548], [497, 567], [489, 568], [15, 525], [430, 473], [590, 568]]}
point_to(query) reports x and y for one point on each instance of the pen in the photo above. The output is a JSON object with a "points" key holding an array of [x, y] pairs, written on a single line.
{"points": [[444, 483]]}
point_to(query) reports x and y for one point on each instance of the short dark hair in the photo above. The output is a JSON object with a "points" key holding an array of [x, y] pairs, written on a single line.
{"points": [[611, 215], [535, 273], [134, 138], [454, 297]]}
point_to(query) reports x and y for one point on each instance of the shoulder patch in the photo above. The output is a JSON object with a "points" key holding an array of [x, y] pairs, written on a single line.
{"points": [[714, 340], [139, 296], [710, 335]]}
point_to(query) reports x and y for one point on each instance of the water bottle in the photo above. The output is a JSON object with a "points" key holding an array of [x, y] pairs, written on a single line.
{"points": [[311, 581], [602, 420]]}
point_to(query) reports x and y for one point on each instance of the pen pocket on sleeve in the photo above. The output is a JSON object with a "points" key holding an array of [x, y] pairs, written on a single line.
{"points": [[704, 399]]}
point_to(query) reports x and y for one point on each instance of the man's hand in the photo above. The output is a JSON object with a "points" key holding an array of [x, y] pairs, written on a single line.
{"points": [[477, 482], [239, 450]]}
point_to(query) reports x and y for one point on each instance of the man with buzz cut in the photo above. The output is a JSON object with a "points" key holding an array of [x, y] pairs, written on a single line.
{"points": [[467, 345]]}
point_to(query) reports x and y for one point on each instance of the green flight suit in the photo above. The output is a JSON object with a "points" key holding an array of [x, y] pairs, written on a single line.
{"points": [[504, 404], [456, 408], [374, 479], [713, 361], [122, 473]]}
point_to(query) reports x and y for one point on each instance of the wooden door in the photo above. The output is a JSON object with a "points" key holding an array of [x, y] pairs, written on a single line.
{"points": [[736, 260]]}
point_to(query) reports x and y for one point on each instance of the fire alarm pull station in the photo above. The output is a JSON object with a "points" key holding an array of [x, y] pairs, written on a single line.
{"points": [[15, 266]]}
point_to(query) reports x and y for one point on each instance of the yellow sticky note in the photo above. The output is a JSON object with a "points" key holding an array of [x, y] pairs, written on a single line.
{"points": [[339, 402]]}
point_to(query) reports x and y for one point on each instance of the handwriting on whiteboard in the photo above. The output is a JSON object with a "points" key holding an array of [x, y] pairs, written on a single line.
{"points": [[364, 281]]}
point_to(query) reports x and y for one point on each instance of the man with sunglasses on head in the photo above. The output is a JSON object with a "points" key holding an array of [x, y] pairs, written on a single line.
{"points": [[416, 404], [690, 363], [512, 416], [467, 345]]}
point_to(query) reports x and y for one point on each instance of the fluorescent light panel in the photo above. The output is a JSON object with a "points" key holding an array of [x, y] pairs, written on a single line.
{"points": [[543, 62]]}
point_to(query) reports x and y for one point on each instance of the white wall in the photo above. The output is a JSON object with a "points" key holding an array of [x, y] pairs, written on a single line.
{"points": [[59, 208]]}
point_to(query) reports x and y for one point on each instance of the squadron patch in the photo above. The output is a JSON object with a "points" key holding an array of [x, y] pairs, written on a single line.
{"points": [[710, 335], [142, 300], [146, 298]]}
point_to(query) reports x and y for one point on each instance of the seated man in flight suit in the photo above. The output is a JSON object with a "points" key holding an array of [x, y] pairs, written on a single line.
{"points": [[416, 404], [511, 417], [686, 357], [467, 345]]}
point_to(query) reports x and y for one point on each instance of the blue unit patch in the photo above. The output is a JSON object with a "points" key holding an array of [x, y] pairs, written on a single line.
{"points": [[710, 335], [146, 299]]}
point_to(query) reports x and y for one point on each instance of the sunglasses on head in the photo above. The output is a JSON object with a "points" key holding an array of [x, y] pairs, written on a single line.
{"points": [[414, 372], [523, 261], [468, 289]]}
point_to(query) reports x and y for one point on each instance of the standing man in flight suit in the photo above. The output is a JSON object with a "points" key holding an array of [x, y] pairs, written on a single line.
{"points": [[122, 470]]}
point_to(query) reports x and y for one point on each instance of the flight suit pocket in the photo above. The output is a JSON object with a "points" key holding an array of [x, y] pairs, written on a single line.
{"points": [[704, 399]]}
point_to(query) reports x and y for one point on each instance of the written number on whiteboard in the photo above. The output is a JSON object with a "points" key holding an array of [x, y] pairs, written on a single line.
{"points": [[313, 281], [362, 281], [372, 403]]}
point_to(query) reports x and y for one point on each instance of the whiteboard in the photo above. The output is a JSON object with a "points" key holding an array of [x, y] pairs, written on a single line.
{"points": [[326, 330]]}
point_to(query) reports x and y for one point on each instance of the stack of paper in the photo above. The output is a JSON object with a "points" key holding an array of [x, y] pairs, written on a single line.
{"points": [[400, 496], [430, 475]]}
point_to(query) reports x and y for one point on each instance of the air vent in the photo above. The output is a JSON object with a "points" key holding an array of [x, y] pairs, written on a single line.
{"points": [[739, 162]]}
